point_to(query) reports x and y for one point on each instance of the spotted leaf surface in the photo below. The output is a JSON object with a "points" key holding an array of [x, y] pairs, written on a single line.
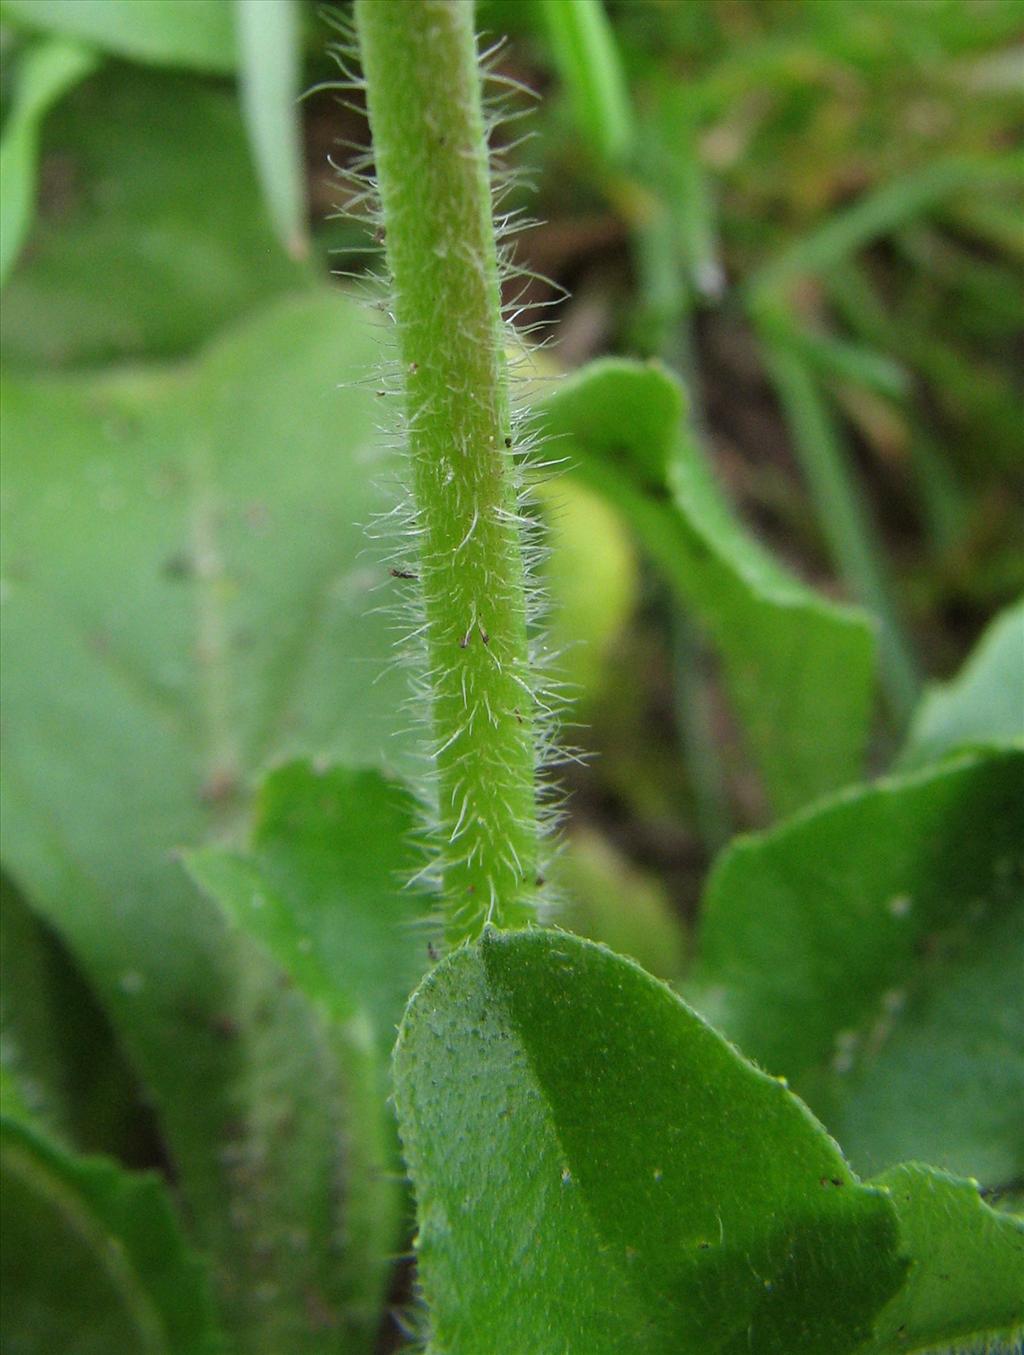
{"points": [[598, 1171], [871, 950]]}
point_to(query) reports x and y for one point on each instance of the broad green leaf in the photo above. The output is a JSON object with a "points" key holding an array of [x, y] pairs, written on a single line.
{"points": [[319, 889], [185, 599], [270, 74], [195, 33], [47, 71], [984, 703], [151, 233], [93, 1260], [966, 1280], [57, 1047], [597, 1171], [871, 950], [30, 1025], [798, 668], [947, 1083]]}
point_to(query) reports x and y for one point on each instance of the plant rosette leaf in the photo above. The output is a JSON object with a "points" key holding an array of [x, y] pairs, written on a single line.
{"points": [[606, 898], [121, 264], [871, 950], [194, 33], [227, 628], [983, 704], [798, 668], [966, 1281], [598, 1171], [57, 1051], [93, 1260], [270, 79], [319, 890], [48, 70], [32, 1054], [591, 578], [320, 886]]}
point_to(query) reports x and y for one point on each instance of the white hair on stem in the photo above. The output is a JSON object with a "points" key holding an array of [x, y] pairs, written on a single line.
{"points": [[399, 534]]}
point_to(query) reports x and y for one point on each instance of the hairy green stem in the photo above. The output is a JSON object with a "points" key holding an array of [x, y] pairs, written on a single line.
{"points": [[423, 90]]}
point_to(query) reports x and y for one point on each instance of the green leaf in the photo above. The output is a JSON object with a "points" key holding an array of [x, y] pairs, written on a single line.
{"points": [[48, 70], [984, 703], [93, 1260], [123, 262], [194, 33], [320, 887], [184, 601], [591, 577], [966, 1280], [798, 668], [319, 890], [12, 1099], [584, 49], [603, 896], [56, 1045], [30, 1025], [871, 951], [270, 50], [597, 1170]]}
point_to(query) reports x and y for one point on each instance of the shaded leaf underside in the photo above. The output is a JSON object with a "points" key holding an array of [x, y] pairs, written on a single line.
{"points": [[798, 668], [598, 1171], [227, 627], [871, 950]]}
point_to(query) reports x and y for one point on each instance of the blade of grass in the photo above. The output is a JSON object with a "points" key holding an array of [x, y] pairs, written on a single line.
{"points": [[832, 357], [584, 50], [878, 213], [840, 507], [688, 193], [660, 319], [676, 259], [985, 292], [943, 505], [998, 224], [269, 59]]}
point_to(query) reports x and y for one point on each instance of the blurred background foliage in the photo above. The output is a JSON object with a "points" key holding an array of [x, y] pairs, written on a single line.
{"points": [[812, 210]]}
